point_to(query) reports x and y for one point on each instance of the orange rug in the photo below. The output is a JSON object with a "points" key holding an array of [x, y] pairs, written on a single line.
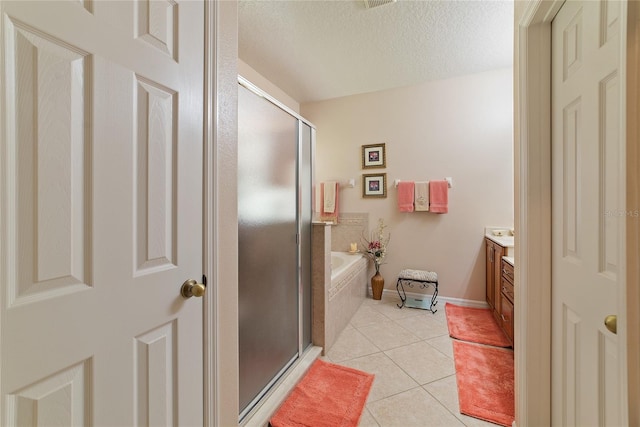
{"points": [[485, 378], [474, 325], [328, 395]]}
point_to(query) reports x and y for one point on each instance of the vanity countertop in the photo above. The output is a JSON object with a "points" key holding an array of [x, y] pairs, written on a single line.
{"points": [[505, 241], [509, 259]]}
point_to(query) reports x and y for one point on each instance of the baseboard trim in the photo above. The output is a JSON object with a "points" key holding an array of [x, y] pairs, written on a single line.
{"points": [[392, 294]]}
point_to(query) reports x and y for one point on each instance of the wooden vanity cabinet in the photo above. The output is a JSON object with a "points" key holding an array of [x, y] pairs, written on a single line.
{"points": [[494, 259], [506, 299]]}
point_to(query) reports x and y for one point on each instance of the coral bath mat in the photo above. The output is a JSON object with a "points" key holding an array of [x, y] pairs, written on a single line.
{"points": [[328, 395], [485, 378], [474, 325]]}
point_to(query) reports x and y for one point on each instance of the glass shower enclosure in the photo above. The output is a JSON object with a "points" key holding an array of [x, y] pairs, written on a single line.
{"points": [[275, 149]]}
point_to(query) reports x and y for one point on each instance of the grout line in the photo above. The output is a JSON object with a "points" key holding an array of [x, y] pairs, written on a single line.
{"points": [[378, 308]]}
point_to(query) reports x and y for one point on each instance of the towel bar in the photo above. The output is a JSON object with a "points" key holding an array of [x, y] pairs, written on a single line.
{"points": [[448, 179]]}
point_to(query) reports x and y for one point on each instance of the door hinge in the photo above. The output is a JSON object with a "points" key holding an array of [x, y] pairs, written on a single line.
{"points": [[204, 280]]}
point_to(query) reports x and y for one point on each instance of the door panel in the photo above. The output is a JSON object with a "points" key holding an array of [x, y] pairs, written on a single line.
{"points": [[101, 212], [587, 208], [49, 152], [267, 243]]}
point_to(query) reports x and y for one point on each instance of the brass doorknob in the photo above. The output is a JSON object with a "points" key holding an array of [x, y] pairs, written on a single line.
{"points": [[611, 322], [191, 288]]}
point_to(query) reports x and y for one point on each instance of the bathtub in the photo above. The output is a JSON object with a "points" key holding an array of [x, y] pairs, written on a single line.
{"points": [[344, 294], [341, 262]]}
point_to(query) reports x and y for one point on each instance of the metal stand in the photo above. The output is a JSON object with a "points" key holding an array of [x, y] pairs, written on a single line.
{"points": [[422, 303]]}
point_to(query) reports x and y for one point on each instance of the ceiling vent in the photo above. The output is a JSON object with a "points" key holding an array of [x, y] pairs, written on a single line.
{"points": [[375, 3]]}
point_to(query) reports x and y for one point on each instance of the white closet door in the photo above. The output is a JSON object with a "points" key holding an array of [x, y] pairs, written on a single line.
{"points": [[101, 212], [588, 213]]}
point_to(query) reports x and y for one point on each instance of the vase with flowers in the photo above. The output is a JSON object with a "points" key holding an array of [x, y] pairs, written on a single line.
{"points": [[376, 249]]}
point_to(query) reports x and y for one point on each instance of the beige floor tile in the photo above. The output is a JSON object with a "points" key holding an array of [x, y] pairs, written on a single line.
{"points": [[367, 315], [388, 335], [440, 315], [446, 392], [386, 298], [424, 327], [366, 420], [443, 343], [350, 344], [417, 350], [422, 362], [389, 378], [390, 309], [373, 303], [412, 408]]}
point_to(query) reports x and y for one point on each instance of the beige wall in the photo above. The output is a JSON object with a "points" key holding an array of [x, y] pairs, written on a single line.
{"points": [[459, 128], [260, 81]]}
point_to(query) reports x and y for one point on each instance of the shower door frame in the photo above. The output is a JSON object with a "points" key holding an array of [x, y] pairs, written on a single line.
{"points": [[246, 412]]}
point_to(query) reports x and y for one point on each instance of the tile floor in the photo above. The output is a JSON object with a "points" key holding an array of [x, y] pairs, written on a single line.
{"points": [[411, 354]]}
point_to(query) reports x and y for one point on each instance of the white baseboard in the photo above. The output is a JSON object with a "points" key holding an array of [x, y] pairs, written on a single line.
{"points": [[392, 294]]}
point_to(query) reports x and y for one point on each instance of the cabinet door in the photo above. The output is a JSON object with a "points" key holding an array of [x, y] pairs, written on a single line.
{"points": [[491, 281], [506, 317], [498, 252]]}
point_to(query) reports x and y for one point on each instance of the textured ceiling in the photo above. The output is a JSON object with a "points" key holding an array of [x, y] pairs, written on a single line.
{"points": [[315, 50]]}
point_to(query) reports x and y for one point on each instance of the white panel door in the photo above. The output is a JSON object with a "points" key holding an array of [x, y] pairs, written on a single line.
{"points": [[101, 212], [587, 213]]}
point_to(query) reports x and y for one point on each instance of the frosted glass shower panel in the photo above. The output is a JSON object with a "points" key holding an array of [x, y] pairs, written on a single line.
{"points": [[267, 228]]}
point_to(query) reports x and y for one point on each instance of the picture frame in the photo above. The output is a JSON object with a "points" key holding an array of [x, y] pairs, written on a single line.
{"points": [[374, 185], [374, 156]]}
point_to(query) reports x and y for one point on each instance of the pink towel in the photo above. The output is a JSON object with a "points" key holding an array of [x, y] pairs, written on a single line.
{"points": [[328, 216], [439, 196], [405, 196]]}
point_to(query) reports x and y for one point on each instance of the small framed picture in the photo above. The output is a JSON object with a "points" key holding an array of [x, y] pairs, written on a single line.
{"points": [[373, 156], [374, 185]]}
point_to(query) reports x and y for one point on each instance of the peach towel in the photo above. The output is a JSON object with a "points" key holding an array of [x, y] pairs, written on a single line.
{"points": [[324, 215], [439, 196], [405, 196]]}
